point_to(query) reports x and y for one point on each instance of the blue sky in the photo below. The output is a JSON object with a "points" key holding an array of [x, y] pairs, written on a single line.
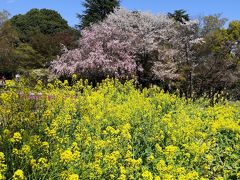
{"points": [[69, 8]]}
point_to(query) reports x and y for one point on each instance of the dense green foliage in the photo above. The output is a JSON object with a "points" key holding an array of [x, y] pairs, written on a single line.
{"points": [[32, 40], [115, 131], [44, 30], [44, 21], [8, 41]]}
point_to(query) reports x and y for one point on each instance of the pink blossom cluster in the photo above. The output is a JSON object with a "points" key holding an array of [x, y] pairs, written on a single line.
{"points": [[103, 51]]}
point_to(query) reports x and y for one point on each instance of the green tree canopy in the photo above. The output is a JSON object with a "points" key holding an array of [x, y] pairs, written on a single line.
{"points": [[96, 10], [234, 30], [26, 57], [43, 21], [41, 32]]}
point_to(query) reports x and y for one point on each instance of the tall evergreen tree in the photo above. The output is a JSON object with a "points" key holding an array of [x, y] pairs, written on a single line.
{"points": [[95, 11], [179, 15]]}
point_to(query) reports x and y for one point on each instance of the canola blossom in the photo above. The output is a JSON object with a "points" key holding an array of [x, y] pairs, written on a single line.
{"points": [[115, 131]]}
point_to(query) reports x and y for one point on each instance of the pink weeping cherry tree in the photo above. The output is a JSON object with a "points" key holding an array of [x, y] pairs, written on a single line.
{"points": [[103, 51]]}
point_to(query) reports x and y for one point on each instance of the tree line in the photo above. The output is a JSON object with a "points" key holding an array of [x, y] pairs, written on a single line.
{"points": [[196, 58]]}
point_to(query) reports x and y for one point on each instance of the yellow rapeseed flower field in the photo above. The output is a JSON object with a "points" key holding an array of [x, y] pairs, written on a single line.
{"points": [[115, 131]]}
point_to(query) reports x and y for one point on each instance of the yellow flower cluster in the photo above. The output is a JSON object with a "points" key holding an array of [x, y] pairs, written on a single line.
{"points": [[115, 131], [16, 137], [18, 175], [3, 166], [67, 156]]}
